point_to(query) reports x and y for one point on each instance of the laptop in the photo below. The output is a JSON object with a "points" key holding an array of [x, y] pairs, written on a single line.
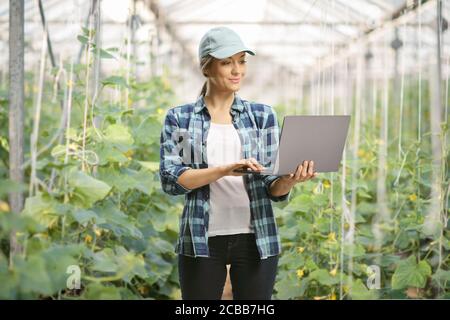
{"points": [[320, 138]]}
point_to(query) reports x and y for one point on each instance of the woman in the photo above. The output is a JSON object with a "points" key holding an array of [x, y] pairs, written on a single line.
{"points": [[228, 217]]}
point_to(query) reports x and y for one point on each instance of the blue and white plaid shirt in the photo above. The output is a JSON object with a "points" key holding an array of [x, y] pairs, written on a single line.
{"points": [[258, 129]]}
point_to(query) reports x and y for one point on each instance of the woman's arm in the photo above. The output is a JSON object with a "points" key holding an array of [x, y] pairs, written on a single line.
{"points": [[196, 178]]}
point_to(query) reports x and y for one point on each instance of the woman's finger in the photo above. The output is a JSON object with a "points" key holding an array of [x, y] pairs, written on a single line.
{"points": [[252, 164], [311, 167], [298, 172], [304, 171], [255, 162], [259, 166]]}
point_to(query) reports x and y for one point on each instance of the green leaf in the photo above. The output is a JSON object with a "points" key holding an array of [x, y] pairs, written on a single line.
{"points": [[83, 39], [43, 209], [323, 277], [105, 261], [148, 131], [104, 54], [108, 153], [161, 245], [85, 216], [86, 31], [442, 275], [34, 277], [409, 273], [88, 189], [150, 165], [290, 288], [117, 221], [120, 136], [301, 203], [115, 81], [120, 180], [360, 292]]}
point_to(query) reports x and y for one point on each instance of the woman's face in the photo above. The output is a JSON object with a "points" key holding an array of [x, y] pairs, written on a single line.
{"points": [[227, 74]]}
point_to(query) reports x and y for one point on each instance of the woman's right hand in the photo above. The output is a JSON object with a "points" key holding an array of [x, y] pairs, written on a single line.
{"points": [[251, 163]]}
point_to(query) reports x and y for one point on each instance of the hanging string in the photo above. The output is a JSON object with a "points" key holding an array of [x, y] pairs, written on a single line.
{"points": [[401, 153], [87, 83], [331, 84], [345, 212], [419, 117], [33, 186]]}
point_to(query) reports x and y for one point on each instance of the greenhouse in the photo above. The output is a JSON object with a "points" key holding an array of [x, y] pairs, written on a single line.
{"points": [[97, 203]]}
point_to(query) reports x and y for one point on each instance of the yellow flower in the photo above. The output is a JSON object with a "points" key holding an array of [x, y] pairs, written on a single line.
{"points": [[300, 273], [143, 290], [333, 296], [326, 183], [129, 154], [88, 239], [4, 206], [332, 237], [345, 288], [159, 110], [361, 153], [300, 249], [413, 197], [98, 232], [333, 272]]}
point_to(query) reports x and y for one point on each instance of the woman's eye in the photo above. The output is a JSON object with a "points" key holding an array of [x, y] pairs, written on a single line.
{"points": [[225, 62], [243, 61]]}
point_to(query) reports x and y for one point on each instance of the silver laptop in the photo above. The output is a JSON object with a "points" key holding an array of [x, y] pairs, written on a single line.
{"points": [[318, 138]]}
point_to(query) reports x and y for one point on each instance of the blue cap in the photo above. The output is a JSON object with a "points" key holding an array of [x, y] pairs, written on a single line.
{"points": [[221, 42]]}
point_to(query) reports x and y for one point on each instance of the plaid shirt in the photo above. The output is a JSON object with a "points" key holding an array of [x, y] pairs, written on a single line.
{"points": [[258, 130]]}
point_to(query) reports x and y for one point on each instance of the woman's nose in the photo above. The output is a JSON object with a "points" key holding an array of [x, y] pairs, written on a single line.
{"points": [[236, 68]]}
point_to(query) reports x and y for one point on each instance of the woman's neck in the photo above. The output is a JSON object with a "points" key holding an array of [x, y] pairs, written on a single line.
{"points": [[219, 101]]}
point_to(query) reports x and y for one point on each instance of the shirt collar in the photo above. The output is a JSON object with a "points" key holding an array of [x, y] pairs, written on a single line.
{"points": [[237, 105]]}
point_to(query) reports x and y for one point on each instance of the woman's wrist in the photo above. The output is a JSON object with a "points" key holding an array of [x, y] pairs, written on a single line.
{"points": [[279, 187], [221, 171]]}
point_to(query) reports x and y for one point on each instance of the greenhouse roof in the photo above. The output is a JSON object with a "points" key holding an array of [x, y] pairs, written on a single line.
{"points": [[293, 37]]}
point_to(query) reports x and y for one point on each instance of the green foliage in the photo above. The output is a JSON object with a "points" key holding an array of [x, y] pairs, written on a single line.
{"points": [[110, 218], [409, 273]]}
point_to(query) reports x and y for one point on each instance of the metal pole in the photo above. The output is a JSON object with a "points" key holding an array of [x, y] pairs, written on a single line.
{"points": [[16, 109]]}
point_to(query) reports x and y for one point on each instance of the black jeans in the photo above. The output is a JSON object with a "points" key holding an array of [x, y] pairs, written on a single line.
{"points": [[251, 277]]}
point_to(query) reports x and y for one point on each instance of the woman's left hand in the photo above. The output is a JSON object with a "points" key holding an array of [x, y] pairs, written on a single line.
{"points": [[304, 172]]}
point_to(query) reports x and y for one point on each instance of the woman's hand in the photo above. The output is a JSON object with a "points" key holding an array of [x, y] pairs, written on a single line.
{"points": [[304, 172], [228, 170]]}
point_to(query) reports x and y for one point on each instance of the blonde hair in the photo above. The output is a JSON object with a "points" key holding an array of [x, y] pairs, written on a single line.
{"points": [[204, 64]]}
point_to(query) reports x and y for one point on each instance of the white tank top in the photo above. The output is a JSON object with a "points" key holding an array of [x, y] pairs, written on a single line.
{"points": [[229, 202]]}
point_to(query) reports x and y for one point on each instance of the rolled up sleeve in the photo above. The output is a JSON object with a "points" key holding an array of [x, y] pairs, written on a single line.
{"points": [[268, 182], [171, 165]]}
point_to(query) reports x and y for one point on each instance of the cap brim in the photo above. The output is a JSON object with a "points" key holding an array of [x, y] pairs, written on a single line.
{"points": [[229, 51]]}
